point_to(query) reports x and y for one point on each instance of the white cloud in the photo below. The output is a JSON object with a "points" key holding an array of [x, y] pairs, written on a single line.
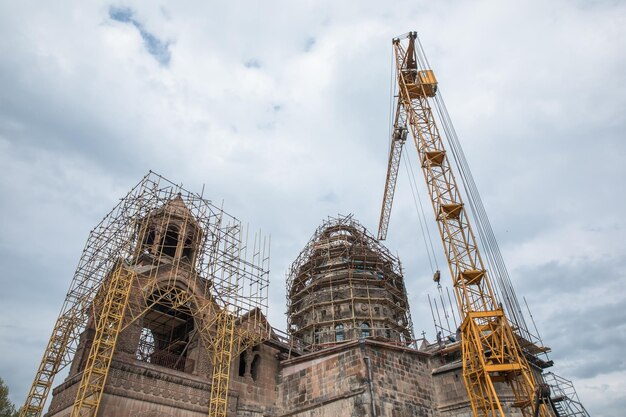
{"points": [[535, 90]]}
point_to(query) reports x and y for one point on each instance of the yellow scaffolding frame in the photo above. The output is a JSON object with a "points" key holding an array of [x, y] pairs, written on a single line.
{"points": [[108, 325], [160, 244], [49, 366], [218, 404]]}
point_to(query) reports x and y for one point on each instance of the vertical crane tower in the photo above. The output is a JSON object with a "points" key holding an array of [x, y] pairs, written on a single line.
{"points": [[491, 352]]}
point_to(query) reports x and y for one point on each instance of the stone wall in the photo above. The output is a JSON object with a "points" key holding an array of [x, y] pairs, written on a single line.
{"points": [[138, 388], [315, 381], [356, 379], [256, 388], [402, 382], [451, 396], [450, 392]]}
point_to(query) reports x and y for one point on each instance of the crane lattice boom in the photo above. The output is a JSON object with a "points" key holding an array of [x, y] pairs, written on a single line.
{"points": [[491, 352], [397, 142]]}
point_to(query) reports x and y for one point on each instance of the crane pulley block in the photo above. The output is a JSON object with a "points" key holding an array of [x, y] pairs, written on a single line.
{"points": [[400, 133]]}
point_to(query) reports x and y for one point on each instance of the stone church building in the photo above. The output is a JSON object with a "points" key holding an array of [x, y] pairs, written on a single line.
{"points": [[349, 348]]}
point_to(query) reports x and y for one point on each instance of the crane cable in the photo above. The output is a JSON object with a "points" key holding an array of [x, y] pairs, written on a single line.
{"points": [[494, 258], [502, 281], [429, 246], [419, 208], [417, 201]]}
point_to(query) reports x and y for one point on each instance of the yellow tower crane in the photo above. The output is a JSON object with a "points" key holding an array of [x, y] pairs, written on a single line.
{"points": [[491, 352]]}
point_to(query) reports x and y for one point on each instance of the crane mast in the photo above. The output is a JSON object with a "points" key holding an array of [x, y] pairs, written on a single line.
{"points": [[490, 350]]}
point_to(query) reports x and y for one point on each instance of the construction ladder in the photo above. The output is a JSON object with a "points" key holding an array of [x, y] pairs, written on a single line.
{"points": [[108, 324]]}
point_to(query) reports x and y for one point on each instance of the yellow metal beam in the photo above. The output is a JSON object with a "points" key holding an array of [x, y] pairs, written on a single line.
{"points": [[49, 366], [222, 358], [203, 270], [108, 325], [488, 342]]}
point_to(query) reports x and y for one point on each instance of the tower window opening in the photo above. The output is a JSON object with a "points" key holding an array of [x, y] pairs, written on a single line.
{"points": [[166, 334], [242, 364], [149, 240], [254, 367], [340, 336], [188, 251], [145, 349], [169, 242], [365, 330]]}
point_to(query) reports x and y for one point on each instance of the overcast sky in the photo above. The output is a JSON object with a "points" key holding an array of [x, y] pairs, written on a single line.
{"points": [[281, 109]]}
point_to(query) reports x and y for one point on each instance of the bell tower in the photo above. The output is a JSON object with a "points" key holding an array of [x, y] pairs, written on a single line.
{"points": [[163, 296], [170, 234], [160, 329]]}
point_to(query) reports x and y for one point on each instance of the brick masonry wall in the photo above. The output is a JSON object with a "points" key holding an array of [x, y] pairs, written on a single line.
{"points": [[135, 388], [330, 383], [450, 392]]}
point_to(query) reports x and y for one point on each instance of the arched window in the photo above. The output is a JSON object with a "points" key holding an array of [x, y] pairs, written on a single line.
{"points": [[166, 335], [365, 330], [254, 367], [145, 349], [339, 334], [188, 247], [242, 364], [149, 240], [170, 241]]}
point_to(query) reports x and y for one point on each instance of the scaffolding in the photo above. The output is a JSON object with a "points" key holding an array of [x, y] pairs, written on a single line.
{"points": [[345, 285], [448, 332], [165, 272], [564, 397]]}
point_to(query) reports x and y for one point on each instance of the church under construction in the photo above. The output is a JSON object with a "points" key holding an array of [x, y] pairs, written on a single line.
{"points": [[167, 313], [168, 290]]}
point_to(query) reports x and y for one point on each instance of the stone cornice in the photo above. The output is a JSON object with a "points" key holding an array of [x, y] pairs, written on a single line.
{"points": [[350, 345]]}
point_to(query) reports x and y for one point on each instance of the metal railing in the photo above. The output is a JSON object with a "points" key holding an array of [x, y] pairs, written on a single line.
{"points": [[564, 396]]}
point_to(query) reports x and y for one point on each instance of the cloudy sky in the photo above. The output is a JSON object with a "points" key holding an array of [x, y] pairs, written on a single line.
{"points": [[281, 109]]}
